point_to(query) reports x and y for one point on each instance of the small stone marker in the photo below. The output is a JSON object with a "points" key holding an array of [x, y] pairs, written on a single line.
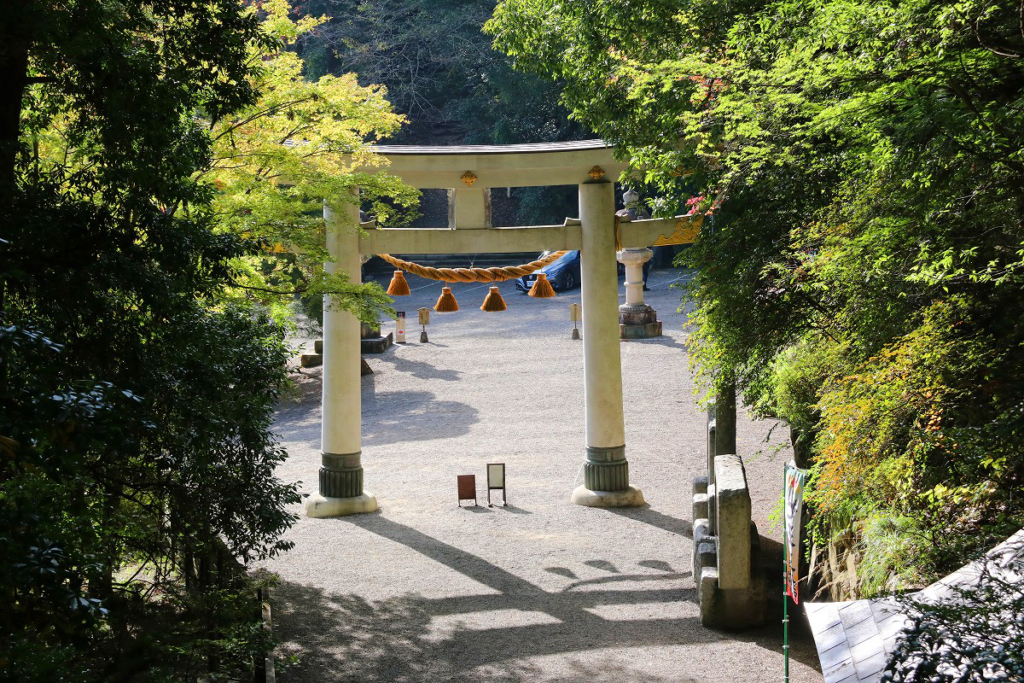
{"points": [[467, 488]]}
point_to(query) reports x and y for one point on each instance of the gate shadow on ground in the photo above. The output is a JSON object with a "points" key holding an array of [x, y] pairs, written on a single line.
{"points": [[413, 417], [660, 520], [407, 416], [801, 639], [401, 417], [663, 340], [344, 637], [419, 369]]}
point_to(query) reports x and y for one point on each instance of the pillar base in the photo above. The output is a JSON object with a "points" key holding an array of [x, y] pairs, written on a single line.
{"points": [[320, 506], [630, 498]]}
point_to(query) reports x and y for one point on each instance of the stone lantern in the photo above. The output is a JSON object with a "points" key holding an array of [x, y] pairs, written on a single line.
{"points": [[637, 320]]}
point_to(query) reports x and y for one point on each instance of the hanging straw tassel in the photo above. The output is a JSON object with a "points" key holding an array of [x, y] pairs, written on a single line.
{"points": [[542, 289], [398, 286], [493, 302], [446, 303]]}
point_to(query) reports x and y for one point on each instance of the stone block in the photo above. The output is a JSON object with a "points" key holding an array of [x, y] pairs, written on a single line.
{"points": [[700, 485], [311, 360], [703, 554], [700, 498], [732, 522], [700, 506], [707, 588], [376, 344], [731, 609]]}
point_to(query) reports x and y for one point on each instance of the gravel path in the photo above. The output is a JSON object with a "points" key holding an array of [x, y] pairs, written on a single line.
{"points": [[541, 590]]}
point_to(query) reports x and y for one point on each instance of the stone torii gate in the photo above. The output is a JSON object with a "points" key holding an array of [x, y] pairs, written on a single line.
{"points": [[468, 173]]}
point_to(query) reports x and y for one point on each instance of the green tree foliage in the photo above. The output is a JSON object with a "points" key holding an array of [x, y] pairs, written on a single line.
{"points": [[862, 274], [135, 405], [442, 73], [439, 70], [276, 161]]}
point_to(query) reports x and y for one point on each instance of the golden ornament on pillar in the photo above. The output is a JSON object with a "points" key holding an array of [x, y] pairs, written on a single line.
{"points": [[493, 302], [596, 173], [446, 303], [541, 288], [469, 178], [398, 286]]}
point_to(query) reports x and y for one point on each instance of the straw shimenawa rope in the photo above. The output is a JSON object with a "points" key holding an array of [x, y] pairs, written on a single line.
{"points": [[496, 274]]}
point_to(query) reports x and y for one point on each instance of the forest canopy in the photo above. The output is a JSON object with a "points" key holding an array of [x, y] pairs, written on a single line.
{"points": [[861, 275], [140, 364]]}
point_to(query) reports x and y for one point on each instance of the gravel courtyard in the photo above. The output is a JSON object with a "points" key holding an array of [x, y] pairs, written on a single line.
{"points": [[540, 590]]}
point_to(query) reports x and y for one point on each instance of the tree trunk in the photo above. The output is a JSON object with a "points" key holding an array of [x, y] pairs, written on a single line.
{"points": [[15, 41]]}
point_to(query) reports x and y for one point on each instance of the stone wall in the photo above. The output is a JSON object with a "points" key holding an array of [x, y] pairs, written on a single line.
{"points": [[731, 591]]}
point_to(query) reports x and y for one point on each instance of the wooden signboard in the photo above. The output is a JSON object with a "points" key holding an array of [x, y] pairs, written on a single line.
{"points": [[496, 480], [467, 488]]}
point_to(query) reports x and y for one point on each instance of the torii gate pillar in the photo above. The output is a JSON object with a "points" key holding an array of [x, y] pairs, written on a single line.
{"points": [[606, 471], [341, 470]]}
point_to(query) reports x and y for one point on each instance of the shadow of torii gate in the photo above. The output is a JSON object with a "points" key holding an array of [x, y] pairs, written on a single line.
{"points": [[468, 173]]}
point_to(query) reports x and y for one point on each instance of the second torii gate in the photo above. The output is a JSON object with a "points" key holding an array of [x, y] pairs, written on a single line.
{"points": [[468, 173]]}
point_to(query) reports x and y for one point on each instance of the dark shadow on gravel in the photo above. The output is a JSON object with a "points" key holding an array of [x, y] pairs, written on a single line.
{"points": [[603, 565], [406, 417], [346, 638], [663, 340], [660, 565], [619, 578], [770, 636], [648, 515], [419, 369], [562, 571], [513, 509], [476, 508], [413, 417]]}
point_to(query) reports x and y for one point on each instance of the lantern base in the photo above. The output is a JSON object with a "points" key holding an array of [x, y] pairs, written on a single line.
{"points": [[638, 321], [320, 506], [630, 498]]}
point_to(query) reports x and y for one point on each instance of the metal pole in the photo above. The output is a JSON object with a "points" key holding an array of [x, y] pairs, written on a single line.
{"points": [[785, 585]]}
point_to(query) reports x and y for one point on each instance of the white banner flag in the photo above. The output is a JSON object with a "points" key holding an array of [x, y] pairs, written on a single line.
{"points": [[794, 499]]}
